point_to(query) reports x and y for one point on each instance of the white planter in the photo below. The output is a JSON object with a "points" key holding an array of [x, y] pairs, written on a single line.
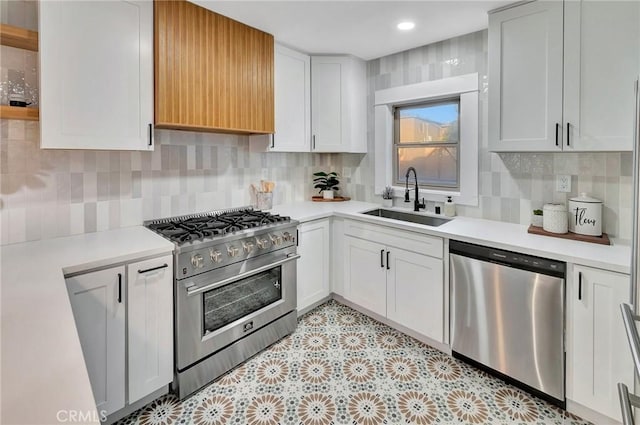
{"points": [[327, 194], [536, 220], [387, 203]]}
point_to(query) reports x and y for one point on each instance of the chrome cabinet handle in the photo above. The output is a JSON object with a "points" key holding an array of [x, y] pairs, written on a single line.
{"points": [[626, 402], [193, 289], [153, 268]]}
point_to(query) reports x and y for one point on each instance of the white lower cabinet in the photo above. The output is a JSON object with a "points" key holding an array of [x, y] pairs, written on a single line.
{"points": [[150, 336], [98, 303], [415, 292], [313, 268], [119, 310], [600, 355], [365, 278], [405, 286]]}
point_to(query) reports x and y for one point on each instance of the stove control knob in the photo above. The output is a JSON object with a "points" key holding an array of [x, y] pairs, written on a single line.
{"points": [[286, 236], [197, 261], [232, 251], [263, 243], [247, 246], [276, 240], [216, 256]]}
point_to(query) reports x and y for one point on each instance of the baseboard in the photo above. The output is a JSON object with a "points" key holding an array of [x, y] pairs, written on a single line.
{"points": [[445, 348], [589, 414], [129, 409], [310, 307]]}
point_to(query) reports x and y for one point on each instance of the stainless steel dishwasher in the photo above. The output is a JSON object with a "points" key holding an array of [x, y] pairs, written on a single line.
{"points": [[508, 316]]}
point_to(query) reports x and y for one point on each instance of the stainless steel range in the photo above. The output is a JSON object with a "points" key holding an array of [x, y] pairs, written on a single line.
{"points": [[235, 289]]}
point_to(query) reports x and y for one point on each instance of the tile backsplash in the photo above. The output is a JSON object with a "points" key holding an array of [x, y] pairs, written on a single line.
{"points": [[50, 193]]}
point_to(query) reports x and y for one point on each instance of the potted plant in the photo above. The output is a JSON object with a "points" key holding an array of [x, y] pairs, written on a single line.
{"points": [[536, 218], [326, 183]]}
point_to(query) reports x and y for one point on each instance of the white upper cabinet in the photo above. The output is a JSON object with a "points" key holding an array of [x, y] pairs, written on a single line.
{"points": [[601, 57], [96, 74], [338, 108], [561, 76], [292, 104], [525, 77], [320, 104]]}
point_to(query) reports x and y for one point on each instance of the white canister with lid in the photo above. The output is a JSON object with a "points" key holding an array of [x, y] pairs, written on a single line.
{"points": [[554, 218], [585, 215]]}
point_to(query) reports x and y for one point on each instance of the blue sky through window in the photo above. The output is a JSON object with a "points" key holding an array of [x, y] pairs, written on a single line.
{"points": [[443, 113]]}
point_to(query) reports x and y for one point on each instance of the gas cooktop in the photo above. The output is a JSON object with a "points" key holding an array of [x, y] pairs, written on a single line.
{"points": [[192, 228]]}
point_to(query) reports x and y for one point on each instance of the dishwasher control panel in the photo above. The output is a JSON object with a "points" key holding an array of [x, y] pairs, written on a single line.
{"points": [[508, 258]]}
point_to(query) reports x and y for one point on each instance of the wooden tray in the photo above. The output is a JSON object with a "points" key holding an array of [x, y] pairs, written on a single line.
{"points": [[602, 240], [335, 199]]}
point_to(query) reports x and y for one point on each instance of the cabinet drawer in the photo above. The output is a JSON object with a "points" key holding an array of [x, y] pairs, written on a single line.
{"points": [[390, 236]]}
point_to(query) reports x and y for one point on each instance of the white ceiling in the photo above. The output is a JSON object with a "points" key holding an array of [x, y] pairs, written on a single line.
{"points": [[363, 28]]}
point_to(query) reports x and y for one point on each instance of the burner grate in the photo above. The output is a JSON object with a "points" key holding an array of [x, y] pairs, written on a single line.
{"points": [[194, 227]]}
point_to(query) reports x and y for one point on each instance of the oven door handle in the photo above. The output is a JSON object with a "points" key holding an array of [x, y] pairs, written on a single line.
{"points": [[193, 290]]}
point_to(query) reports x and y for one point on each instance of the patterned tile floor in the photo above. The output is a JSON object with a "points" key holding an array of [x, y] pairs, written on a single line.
{"points": [[341, 367]]}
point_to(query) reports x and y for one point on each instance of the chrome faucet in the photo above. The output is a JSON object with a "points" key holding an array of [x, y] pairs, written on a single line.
{"points": [[416, 203]]}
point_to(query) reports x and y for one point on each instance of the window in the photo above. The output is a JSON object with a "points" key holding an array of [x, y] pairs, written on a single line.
{"points": [[426, 137], [433, 127]]}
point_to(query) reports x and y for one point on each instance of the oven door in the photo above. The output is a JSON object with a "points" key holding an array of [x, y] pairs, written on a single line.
{"points": [[217, 308]]}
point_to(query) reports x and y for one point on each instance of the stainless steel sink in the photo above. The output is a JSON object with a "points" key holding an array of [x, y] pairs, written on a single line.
{"points": [[403, 216]]}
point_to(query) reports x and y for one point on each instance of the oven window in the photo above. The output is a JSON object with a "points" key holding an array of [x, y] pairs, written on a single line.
{"points": [[231, 302]]}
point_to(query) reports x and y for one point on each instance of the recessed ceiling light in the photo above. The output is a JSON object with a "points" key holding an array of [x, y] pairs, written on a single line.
{"points": [[406, 25]]}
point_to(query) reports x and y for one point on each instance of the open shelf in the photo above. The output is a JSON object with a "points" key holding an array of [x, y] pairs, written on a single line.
{"points": [[18, 37], [19, 113]]}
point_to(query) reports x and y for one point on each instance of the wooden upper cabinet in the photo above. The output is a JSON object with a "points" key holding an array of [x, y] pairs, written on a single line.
{"points": [[211, 73]]}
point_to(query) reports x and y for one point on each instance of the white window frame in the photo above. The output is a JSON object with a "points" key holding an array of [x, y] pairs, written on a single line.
{"points": [[464, 86]]}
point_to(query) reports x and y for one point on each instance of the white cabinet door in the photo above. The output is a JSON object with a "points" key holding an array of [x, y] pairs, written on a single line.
{"points": [[313, 265], [96, 74], [601, 357], [150, 310], [601, 56], [292, 101], [326, 112], [338, 109], [415, 292], [525, 78], [365, 278], [98, 303]]}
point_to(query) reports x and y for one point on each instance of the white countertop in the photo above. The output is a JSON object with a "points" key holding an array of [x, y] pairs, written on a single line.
{"points": [[43, 369], [508, 236]]}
